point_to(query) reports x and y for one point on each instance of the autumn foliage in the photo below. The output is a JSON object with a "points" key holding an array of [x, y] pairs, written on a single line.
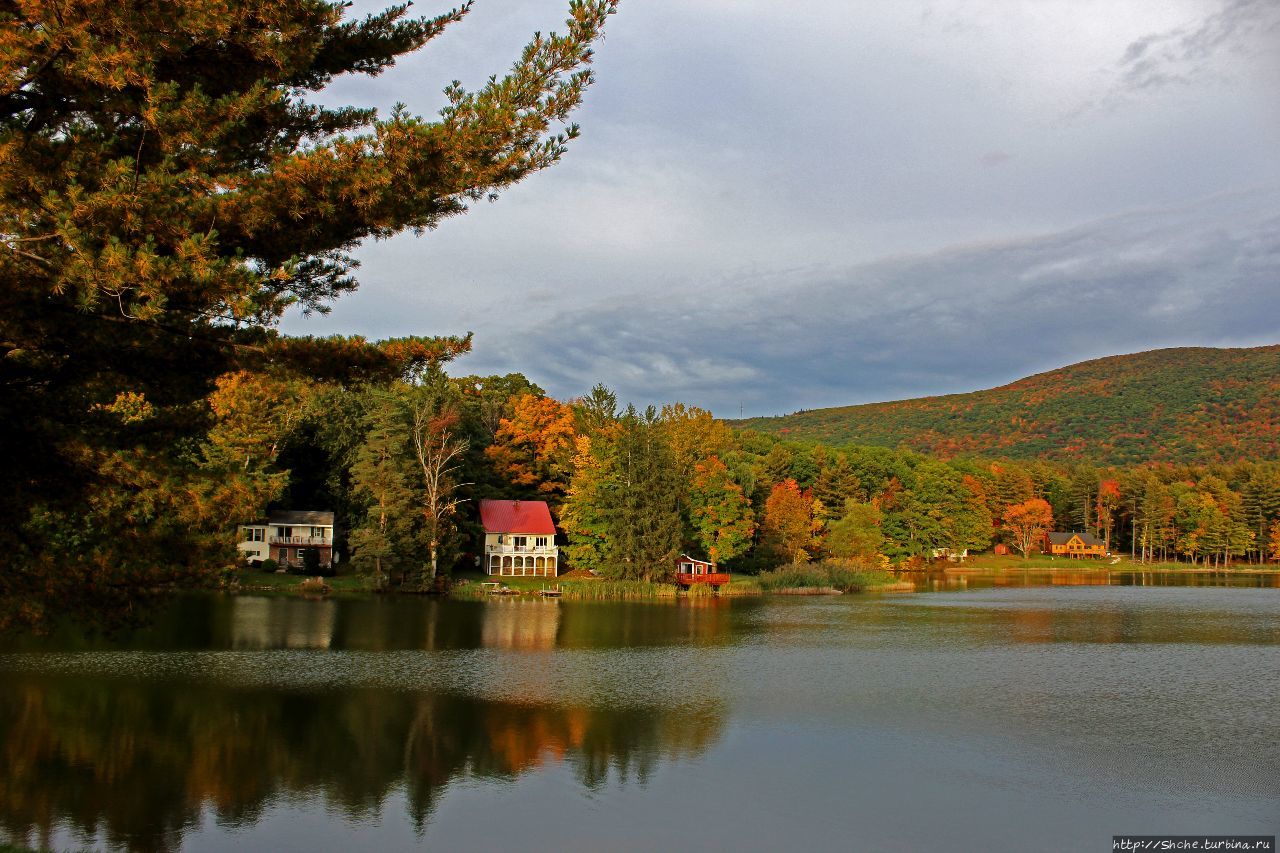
{"points": [[534, 447], [1188, 405], [788, 527], [1027, 522]]}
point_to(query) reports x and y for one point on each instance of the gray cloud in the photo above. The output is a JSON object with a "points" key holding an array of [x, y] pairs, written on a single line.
{"points": [[1181, 55], [761, 205], [955, 320]]}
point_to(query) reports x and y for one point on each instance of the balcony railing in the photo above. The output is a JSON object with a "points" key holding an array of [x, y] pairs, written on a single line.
{"points": [[714, 578], [520, 549], [300, 540]]}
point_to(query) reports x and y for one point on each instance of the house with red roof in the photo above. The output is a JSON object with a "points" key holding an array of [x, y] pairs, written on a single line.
{"points": [[519, 539]]}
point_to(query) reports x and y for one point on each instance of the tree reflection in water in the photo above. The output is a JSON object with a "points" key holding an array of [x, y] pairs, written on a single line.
{"points": [[139, 763], [133, 759]]}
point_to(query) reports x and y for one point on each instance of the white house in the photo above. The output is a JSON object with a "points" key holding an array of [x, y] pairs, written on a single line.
{"points": [[519, 539], [286, 535]]}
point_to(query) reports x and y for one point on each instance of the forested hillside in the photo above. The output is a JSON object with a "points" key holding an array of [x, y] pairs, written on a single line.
{"points": [[1171, 405]]}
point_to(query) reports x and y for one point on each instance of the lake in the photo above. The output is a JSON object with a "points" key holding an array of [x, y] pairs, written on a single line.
{"points": [[1016, 712]]}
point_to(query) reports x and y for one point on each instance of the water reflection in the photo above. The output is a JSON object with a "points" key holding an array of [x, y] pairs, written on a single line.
{"points": [[958, 580], [134, 765], [808, 720], [130, 747], [261, 623], [204, 622], [516, 623]]}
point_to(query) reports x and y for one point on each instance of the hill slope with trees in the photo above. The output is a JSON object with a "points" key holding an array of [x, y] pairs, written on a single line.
{"points": [[1171, 405]]}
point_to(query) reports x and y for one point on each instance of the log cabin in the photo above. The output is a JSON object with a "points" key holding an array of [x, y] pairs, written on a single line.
{"points": [[1074, 545]]}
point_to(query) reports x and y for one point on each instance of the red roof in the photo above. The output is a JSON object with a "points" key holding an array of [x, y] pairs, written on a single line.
{"points": [[516, 517]]}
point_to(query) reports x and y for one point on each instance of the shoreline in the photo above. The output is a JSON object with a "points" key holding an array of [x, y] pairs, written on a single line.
{"points": [[899, 580], [1129, 568], [470, 588]]}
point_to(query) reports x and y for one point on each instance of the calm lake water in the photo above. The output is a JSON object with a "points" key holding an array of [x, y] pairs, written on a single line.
{"points": [[1025, 712]]}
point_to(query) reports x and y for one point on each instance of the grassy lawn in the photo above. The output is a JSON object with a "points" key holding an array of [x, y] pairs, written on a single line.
{"points": [[258, 581]]}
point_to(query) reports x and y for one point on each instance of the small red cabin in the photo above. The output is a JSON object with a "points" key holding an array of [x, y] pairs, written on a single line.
{"points": [[690, 571]]}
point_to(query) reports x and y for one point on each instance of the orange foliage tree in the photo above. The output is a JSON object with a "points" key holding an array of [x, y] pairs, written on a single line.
{"points": [[535, 446], [788, 527], [1027, 522]]}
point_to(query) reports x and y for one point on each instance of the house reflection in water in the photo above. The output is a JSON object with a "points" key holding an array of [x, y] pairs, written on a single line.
{"points": [[515, 623], [278, 623]]}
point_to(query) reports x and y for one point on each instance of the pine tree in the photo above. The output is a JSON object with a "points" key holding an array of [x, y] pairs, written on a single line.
{"points": [[381, 473], [1084, 493], [836, 485], [643, 520], [167, 190], [1261, 496]]}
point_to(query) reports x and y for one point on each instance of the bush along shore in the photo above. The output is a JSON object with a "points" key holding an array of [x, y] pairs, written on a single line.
{"points": [[827, 577]]}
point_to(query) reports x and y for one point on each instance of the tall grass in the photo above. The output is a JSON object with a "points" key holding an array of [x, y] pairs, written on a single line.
{"points": [[615, 589], [741, 585], [837, 575]]}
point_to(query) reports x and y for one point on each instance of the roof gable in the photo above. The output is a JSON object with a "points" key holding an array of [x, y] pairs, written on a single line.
{"points": [[319, 518], [1064, 538], [516, 517]]}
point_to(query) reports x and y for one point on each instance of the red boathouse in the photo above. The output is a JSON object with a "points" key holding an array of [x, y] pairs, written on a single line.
{"points": [[690, 571]]}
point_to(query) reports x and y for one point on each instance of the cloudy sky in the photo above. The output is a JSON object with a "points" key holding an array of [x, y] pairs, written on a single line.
{"points": [[778, 206]]}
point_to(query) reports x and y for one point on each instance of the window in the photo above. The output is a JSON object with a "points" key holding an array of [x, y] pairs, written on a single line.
{"points": [[317, 533], [540, 542], [519, 542], [300, 552]]}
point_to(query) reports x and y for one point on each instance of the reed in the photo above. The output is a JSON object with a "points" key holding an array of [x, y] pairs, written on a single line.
{"points": [[596, 590], [314, 586]]}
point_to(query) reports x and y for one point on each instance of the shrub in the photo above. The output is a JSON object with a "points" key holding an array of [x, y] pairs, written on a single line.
{"points": [[314, 586], [842, 575], [269, 565]]}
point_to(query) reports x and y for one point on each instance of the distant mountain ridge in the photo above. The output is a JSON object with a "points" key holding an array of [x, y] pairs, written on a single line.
{"points": [[1190, 404]]}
